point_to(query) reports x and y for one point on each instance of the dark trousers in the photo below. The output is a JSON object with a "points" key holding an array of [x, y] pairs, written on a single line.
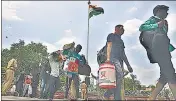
{"points": [[20, 92], [75, 78], [119, 76], [43, 87], [54, 84], [34, 91], [19, 88], [167, 71]]}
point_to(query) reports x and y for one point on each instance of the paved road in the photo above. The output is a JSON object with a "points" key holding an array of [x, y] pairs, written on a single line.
{"points": [[14, 98], [18, 98]]}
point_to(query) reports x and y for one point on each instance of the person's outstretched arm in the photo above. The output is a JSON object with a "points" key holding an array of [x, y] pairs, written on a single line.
{"points": [[127, 62]]}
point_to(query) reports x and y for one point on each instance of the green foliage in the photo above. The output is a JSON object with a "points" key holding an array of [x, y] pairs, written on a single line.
{"points": [[128, 83], [151, 86], [131, 84], [28, 56]]}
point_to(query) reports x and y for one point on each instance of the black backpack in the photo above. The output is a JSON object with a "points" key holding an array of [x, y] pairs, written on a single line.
{"points": [[147, 38], [84, 68], [102, 55]]}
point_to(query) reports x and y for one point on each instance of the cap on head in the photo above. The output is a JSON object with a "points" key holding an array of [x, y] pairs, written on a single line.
{"points": [[160, 7]]}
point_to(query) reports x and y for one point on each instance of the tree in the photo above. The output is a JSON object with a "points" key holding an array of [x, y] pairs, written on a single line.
{"points": [[128, 83], [138, 85], [143, 87], [62, 81], [151, 86], [28, 56], [132, 83], [133, 78]]}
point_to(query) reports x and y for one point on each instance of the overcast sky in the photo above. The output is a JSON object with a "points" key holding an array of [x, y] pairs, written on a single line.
{"points": [[55, 23]]}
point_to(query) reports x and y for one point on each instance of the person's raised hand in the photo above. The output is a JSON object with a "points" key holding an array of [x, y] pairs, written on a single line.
{"points": [[161, 23]]}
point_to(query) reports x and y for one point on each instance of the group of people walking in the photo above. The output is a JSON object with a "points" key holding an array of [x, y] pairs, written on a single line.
{"points": [[24, 85], [27, 85], [153, 37], [50, 74]]}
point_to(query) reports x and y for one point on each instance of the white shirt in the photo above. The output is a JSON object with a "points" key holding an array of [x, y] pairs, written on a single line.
{"points": [[55, 66]]}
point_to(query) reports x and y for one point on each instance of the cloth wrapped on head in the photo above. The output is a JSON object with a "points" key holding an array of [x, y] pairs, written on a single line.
{"points": [[69, 46]]}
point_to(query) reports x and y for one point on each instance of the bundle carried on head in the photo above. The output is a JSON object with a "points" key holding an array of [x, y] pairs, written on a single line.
{"points": [[69, 46]]}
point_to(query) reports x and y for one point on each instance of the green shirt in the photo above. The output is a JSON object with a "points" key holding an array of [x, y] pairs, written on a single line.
{"points": [[72, 55]]}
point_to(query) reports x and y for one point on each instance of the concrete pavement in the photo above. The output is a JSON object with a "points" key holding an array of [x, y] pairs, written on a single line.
{"points": [[15, 98]]}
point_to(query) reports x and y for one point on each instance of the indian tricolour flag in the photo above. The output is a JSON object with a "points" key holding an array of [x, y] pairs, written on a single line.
{"points": [[94, 10]]}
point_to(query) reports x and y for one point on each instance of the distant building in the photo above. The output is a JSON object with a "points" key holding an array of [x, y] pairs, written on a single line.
{"points": [[148, 89]]}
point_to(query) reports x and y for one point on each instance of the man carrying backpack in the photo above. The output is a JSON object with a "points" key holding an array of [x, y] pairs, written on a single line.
{"points": [[116, 55], [157, 44]]}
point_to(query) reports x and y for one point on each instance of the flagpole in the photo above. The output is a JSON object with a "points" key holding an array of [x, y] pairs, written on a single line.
{"points": [[88, 34]]}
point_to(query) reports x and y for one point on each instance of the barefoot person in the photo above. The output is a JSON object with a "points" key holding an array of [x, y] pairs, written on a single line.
{"points": [[157, 44]]}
